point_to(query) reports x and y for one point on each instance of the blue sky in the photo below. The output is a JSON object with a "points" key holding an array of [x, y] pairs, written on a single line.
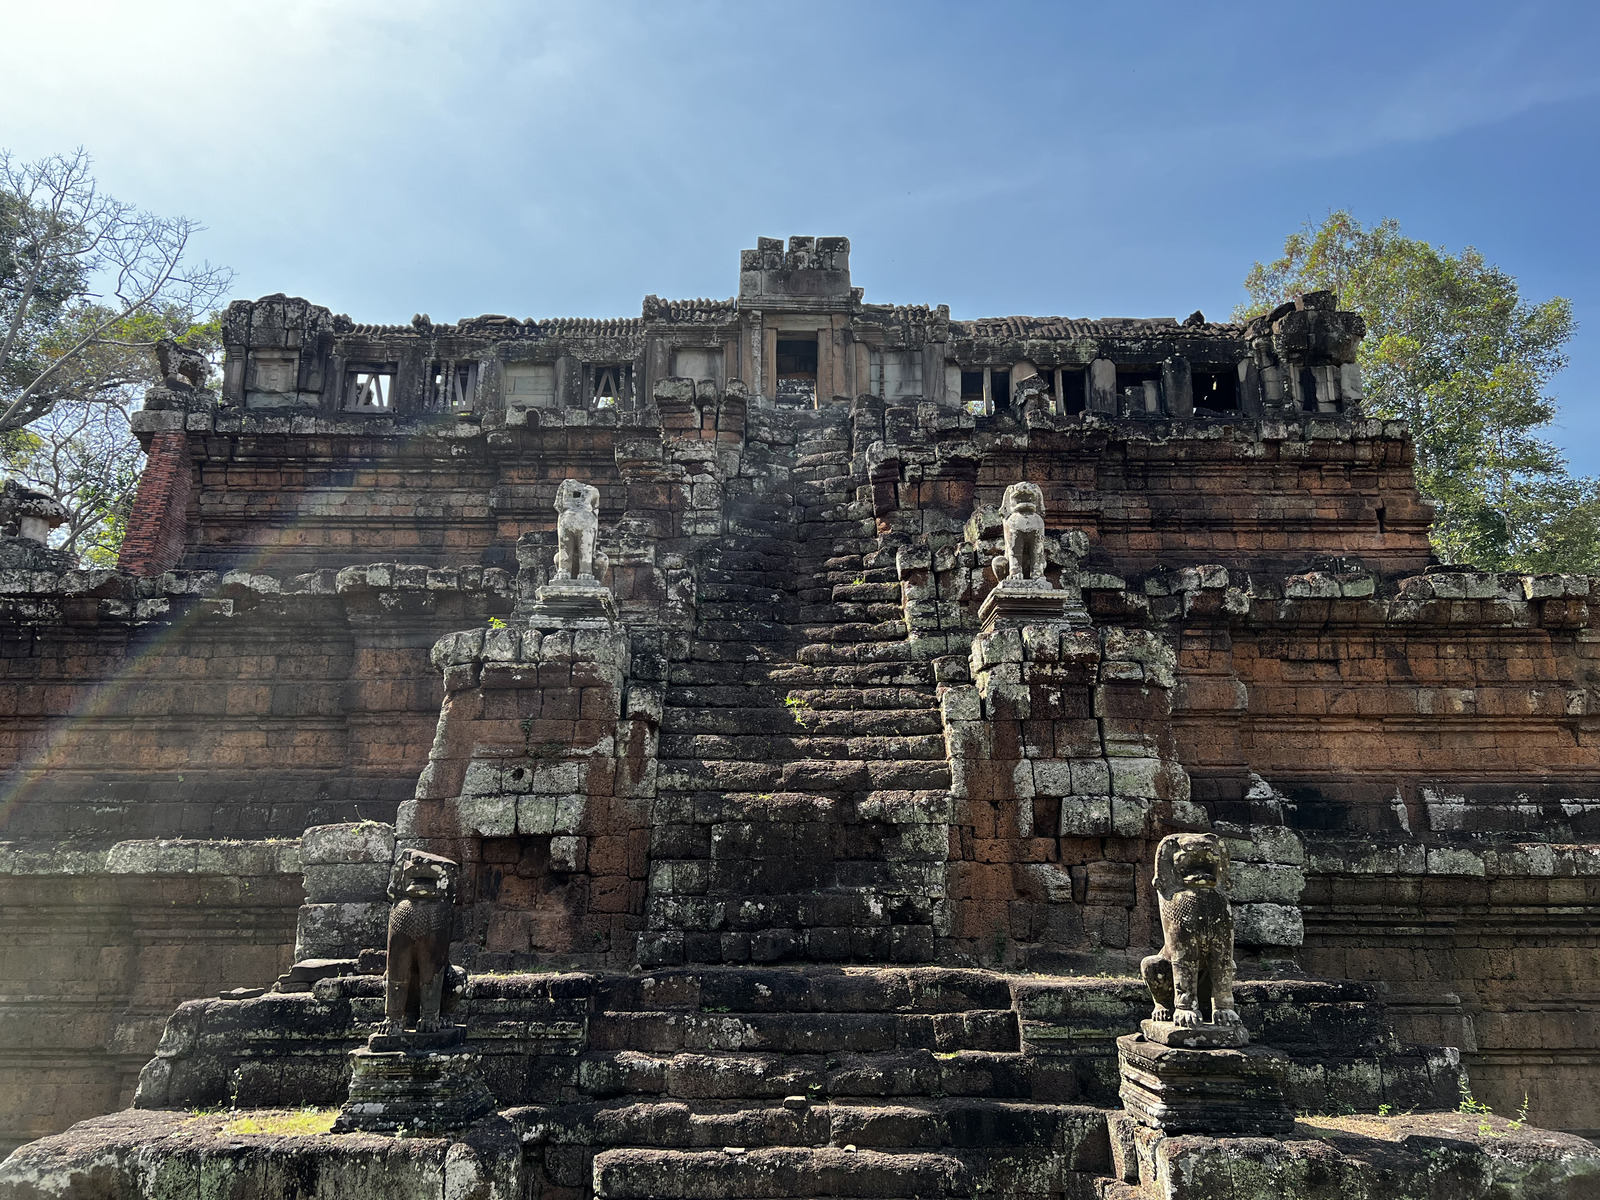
{"points": [[386, 158]]}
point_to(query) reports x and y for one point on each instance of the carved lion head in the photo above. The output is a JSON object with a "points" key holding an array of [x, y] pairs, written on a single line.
{"points": [[1023, 498], [418, 875], [1190, 862]]}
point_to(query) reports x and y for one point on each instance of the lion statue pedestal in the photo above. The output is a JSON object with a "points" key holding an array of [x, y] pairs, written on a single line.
{"points": [[1191, 1068], [414, 1076]]}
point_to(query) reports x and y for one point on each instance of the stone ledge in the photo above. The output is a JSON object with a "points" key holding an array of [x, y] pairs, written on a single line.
{"points": [[178, 856], [1331, 1158], [134, 1154]]}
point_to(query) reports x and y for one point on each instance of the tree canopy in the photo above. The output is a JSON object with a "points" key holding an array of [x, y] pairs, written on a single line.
{"points": [[1454, 349], [88, 285]]}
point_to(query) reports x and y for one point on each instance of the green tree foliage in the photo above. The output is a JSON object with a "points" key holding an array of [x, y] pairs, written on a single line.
{"points": [[88, 285], [1453, 349]]}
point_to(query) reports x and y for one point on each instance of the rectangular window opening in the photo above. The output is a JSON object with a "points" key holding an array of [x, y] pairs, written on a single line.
{"points": [[999, 389], [1140, 390], [1308, 390], [797, 357], [609, 386], [452, 386], [369, 389], [1216, 390]]}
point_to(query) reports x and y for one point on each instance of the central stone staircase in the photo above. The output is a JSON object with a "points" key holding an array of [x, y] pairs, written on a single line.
{"points": [[784, 1083], [803, 807]]}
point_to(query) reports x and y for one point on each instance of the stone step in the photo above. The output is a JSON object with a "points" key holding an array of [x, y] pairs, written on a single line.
{"points": [[753, 674], [724, 696], [760, 631], [737, 593], [811, 989], [885, 632], [843, 612], [844, 654], [672, 1032], [775, 1172], [859, 675], [868, 592], [778, 651], [963, 1123], [889, 722], [994, 1075], [717, 775], [861, 697], [802, 747]]}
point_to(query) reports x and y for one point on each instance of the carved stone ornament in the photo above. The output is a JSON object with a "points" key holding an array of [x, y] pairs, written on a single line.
{"points": [[1191, 1069], [1191, 979], [1022, 595]]}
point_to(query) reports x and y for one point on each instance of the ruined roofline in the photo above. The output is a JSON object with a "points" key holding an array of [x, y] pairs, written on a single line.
{"points": [[706, 311]]}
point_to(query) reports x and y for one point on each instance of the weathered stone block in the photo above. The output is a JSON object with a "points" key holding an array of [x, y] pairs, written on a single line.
{"points": [[352, 842], [340, 930], [1267, 925], [488, 816], [338, 883]]}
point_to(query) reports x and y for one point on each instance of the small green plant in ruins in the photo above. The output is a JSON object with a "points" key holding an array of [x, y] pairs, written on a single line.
{"points": [[496, 623], [802, 711], [1470, 1107]]}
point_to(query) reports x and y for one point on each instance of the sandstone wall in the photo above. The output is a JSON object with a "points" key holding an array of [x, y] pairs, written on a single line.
{"points": [[1428, 737], [101, 945]]}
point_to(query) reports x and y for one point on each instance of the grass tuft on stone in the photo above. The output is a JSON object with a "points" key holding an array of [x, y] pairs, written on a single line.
{"points": [[291, 1121]]}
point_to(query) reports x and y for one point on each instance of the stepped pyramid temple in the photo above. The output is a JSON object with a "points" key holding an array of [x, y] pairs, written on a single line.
{"points": [[787, 733]]}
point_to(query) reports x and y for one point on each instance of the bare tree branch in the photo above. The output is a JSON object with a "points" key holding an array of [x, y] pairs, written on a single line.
{"points": [[74, 259]]}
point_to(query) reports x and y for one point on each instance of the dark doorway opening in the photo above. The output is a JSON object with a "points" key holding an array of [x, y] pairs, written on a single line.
{"points": [[797, 369], [1074, 390]]}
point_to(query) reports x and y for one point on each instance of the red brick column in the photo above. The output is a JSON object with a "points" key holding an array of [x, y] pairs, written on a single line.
{"points": [[158, 526]]}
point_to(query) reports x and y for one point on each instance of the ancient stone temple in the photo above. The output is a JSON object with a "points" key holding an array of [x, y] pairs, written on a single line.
{"points": [[839, 750]]}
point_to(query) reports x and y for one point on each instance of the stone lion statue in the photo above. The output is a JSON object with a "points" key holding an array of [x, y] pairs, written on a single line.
{"points": [[181, 365], [1191, 980], [577, 524], [1022, 513], [422, 890]]}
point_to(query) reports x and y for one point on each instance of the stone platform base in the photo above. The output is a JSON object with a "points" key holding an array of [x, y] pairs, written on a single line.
{"points": [[1196, 1037], [1339, 1158], [1179, 1090], [417, 1091], [570, 603], [663, 1151], [252, 1154], [1013, 604]]}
